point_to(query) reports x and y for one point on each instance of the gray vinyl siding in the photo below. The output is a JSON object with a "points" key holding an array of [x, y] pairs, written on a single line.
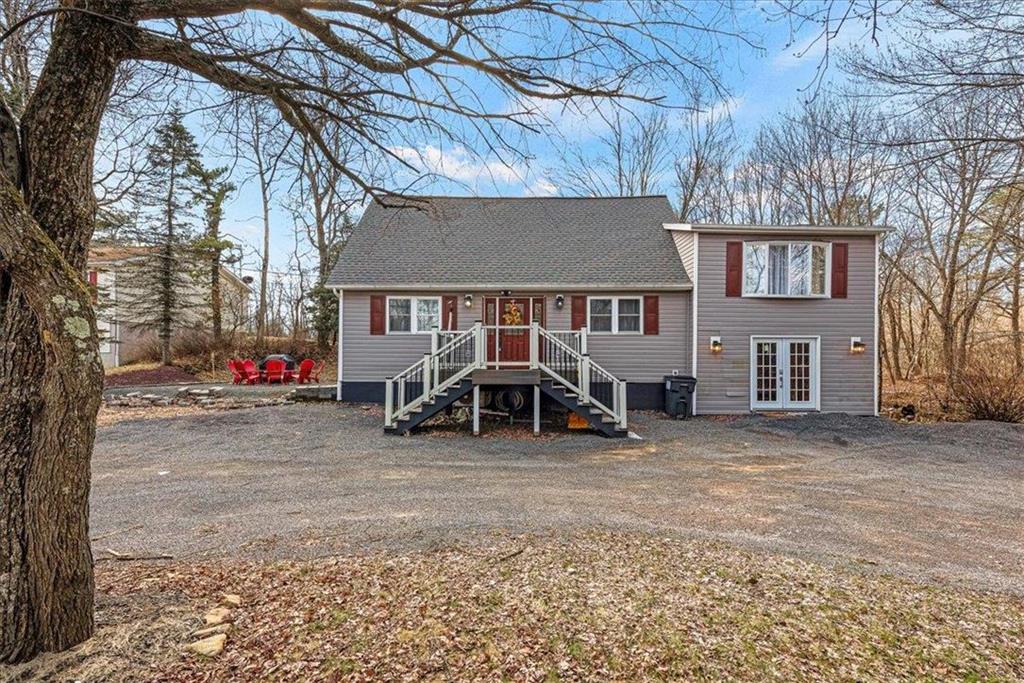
{"points": [[684, 245], [634, 358], [723, 379]]}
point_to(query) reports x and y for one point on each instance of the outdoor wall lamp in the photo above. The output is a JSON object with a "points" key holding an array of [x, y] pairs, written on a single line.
{"points": [[559, 301], [506, 292], [857, 345], [467, 301], [716, 345]]}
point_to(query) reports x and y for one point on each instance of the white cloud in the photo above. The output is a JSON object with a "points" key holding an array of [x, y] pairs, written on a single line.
{"points": [[477, 173]]}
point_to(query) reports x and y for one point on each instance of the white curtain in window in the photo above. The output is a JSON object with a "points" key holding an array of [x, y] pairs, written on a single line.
{"points": [[778, 269], [399, 315], [600, 315]]}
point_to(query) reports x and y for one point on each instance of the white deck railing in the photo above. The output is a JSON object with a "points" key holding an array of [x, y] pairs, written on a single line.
{"points": [[561, 355]]}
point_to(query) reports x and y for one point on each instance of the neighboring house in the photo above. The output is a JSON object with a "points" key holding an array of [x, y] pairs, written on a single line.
{"points": [[123, 341], [594, 301]]}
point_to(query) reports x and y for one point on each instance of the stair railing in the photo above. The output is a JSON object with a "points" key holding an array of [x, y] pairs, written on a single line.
{"points": [[575, 370], [451, 358]]}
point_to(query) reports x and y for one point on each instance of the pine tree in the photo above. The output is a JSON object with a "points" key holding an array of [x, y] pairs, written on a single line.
{"points": [[212, 192], [161, 279]]}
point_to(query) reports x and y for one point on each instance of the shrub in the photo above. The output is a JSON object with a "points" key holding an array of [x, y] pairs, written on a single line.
{"points": [[991, 392]]}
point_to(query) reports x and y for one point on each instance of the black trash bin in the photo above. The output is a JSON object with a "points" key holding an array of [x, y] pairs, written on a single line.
{"points": [[679, 395]]}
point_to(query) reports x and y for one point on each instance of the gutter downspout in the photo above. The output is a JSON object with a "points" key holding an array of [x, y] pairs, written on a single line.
{"points": [[341, 319]]}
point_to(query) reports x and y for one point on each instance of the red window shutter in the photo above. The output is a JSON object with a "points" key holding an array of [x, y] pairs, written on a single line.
{"points": [[579, 312], [840, 263], [650, 315], [450, 313], [378, 306], [733, 268]]}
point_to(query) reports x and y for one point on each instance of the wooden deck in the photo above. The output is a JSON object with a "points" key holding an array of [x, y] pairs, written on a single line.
{"points": [[507, 377]]}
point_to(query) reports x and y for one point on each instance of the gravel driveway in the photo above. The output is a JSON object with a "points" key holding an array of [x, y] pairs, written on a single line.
{"points": [[939, 502]]}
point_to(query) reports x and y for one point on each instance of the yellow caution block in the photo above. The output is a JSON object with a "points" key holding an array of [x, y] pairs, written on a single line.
{"points": [[577, 422]]}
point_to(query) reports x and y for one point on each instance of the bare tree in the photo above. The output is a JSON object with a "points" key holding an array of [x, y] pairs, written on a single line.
{"points": [[323, 198], [631, 157], [705, 165], [952, 221], [383, 73]]}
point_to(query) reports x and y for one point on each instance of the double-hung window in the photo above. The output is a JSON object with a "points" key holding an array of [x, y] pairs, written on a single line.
{"points": [[615, 314], [785, 269], [413, 314]]}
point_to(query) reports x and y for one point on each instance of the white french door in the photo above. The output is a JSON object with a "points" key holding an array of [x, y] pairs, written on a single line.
{"points": [[784, 373]]}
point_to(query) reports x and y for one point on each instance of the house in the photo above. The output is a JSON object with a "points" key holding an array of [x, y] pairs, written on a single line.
{"points": [[121, 339], [591, 302]]}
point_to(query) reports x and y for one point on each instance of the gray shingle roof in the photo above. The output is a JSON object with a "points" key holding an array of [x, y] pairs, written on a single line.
{"points": [[514, 242]]}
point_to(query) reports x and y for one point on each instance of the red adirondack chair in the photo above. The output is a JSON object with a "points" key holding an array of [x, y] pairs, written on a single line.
{"points": [[309, 371], [251, 372], [236, 372], [275, 371]]}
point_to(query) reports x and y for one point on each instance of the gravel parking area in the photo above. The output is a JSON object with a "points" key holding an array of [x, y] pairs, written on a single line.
{"points": [[938, 502]]}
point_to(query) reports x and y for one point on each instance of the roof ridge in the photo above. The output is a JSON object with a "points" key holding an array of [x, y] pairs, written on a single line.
{"points": [[545, 197]]}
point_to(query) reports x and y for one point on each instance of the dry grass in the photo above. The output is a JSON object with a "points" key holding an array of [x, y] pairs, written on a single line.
{"points": [[925, 395], [598, 606], [133, 367]]}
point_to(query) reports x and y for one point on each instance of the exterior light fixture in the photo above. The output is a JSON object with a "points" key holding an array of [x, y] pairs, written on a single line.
{"points": [[560, 301], [716, 345], [506, 292], [467, 301], [857, 345]]}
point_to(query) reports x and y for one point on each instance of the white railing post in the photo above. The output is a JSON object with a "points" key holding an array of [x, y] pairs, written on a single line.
{"points": [[480, 339], [426, 375], [583, 340], [585, 378], [389, 401], [621, 409], [434, 334], [534, 345]]}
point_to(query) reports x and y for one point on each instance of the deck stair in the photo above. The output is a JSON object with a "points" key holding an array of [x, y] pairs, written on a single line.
{"points": [[458, 362]]}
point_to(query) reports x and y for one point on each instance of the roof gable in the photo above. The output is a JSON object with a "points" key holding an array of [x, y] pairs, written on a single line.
{"points": [[505, 243]]}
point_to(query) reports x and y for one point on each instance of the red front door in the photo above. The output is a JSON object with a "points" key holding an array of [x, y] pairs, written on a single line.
{"points": [[508, 341]]}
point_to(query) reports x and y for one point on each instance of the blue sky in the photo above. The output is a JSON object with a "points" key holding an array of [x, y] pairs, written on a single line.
{"points": [[760, 83]]}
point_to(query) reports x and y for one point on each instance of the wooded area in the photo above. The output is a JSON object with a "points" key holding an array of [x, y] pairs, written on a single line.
{"points": [[318, 98]]}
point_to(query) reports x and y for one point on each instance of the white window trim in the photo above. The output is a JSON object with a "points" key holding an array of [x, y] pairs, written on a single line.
{"points": [[788, 243], [615, 314], [413, 325]]}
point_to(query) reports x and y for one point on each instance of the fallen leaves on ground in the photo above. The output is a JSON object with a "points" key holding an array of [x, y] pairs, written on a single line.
{"points": [[594, 606], [146, 374], [110, 416]]}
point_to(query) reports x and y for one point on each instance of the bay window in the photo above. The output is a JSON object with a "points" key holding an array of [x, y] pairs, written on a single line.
{"points": [[785, 269], [615, 314], [413, 314]]}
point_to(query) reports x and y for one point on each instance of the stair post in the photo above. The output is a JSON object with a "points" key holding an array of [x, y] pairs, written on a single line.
{"points": [[434, 334], [583, 340], [426, 375], [534, 345], [621, 414], [585, 378], [479, 339], [389, 401]]}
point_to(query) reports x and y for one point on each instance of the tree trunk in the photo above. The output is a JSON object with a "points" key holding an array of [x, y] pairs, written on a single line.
{"points": [[1015, 296], [216, 320], [167, 270], [51, 376]]}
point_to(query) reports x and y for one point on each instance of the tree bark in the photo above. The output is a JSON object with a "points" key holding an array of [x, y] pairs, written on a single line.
{"points": [[51, 376]]}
